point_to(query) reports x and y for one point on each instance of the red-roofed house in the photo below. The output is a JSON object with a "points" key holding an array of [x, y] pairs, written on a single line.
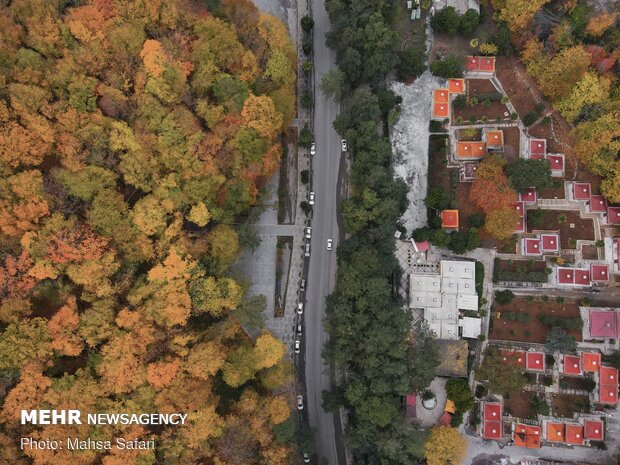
{"points": [[450, 219], [483, 65], [602, 324], [538, 147], [520, 208], [441, 105], [527, 436], [492, 420], [599, 273], [598, 204], [456, 86], [556, 163], [608, 375], [555, 431], [571, 365], [608, 394], [591, 361], [593, 430], [470, 150], [574, 434], [582, 191], [520, 227], [566, 275], [529, 196], [550, 242], [531, 246], [495, 139], [613, 215], [582, 277], [516, 357], [535, 361]]}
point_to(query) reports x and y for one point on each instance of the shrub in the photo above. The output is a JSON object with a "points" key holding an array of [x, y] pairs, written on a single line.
{"points": [[539, 108], [530, 298], [460, 102], [306, 99], [562, 218], [307, 23], [481, 391], [545, 298], [476, 220], [564, 384], [450, 67], [530, 118], [513, 116], [548, 381], [305, 137], [484, 119], [559, 299], [412, 63], [459, 119], [546, 120], [446, 20], [588, 384], [536, 218], [307, 46], [427, 395], [527, 333], [469, 22], [306, 67], [472, 119], [504, 297], [305, 176], [486, 103], [505, 99]]}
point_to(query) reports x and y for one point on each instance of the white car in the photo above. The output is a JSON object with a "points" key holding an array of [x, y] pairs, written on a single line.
{"points": [[300, 308], [307, 250], [313, 149], [344, 145], [330, 243], [311, 198], [300, 402], [308, 232], [299, 330], [297, 346], [306, 457]]}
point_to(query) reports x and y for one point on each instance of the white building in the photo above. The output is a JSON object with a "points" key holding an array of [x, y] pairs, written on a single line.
{"points": [[441, 296]]}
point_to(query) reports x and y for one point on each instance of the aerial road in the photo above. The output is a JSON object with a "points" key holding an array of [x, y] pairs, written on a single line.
{"points": [[326, 168]]}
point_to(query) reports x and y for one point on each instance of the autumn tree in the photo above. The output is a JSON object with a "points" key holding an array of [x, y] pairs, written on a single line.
{"points": [[491, 188], [445, 446], [502, 223], [591, 89], [500, 376], [597, 25], [62, 329]]}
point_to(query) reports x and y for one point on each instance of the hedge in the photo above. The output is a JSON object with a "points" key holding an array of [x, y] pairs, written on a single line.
{"points": [[527, 276]]}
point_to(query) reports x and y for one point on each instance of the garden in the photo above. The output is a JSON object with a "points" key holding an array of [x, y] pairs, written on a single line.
{"points": [[570, 225], [520, 270], [531, 320], [483, 103], [520, 404], [566, 405]]}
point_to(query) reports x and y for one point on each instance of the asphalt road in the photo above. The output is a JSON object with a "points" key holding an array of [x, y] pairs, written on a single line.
{"points": [[326, 167]]}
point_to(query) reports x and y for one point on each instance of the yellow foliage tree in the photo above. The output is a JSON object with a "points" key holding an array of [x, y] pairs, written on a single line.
{"points": [[268, 350], [592, 88], [445, 446], [501, 223], [260, 113], [597, 25], [278, 409], [559, 75], [62, 328], [517, 13]]}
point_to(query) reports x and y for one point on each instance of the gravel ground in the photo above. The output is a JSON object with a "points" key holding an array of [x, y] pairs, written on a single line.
{"points": [[410, 144]]}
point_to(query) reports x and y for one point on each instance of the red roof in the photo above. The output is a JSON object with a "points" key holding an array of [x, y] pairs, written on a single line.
{"points": [[519, 208], [538, 146], [593, 429], [602, 323], [572, 365], [492, 430], [535, 361], [441, 110], [527, 436], [422, 246], [556, 162], [411, 400], [514, 357], [613, 215], [450, 219], [608, 375], [537, 156], [566, 276], [591, 361], [471, 149], [550, 242], [600, 273], [598, 203], [574, 434], [582, 191], [520, 227], [608, 394], [456, 86], [529, 196], [480, 64], [492, 411], [555, 432], [532, 246], [495, 138], [441, 96], [582, 277]]}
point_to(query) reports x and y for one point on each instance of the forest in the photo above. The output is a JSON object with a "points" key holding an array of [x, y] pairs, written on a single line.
{"points": [[134, 137]]}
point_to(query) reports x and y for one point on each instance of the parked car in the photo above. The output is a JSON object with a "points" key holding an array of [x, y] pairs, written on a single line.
{"points": [[344, 145], [297, 346], [311, 198], [308, 232], [330, 243], [300, 308], [313, 149], [307, 250], [300, 402], [306, 457], [299, 330], [302, 284]]}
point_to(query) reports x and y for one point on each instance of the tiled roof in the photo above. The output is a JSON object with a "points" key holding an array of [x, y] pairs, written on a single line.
{"points": [[582, 190], [450, 219], [591, 361], [535, 361]]}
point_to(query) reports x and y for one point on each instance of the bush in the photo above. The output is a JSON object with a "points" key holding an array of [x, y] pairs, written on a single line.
{"points": [[539, 108], [504, 297], [446, 20], [468, 23], [460, 102], [588, 384], [306, 67], [481, 391], [306, 99], [548, 381], [307, 23], [305, 176], [450, 67], [305, 137], [476, 220], [486, 103], [412, 63], [427, 395], [307, 46], [530, 118], [546, 120], [536, 218], [559, 299], [472, 119]]}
